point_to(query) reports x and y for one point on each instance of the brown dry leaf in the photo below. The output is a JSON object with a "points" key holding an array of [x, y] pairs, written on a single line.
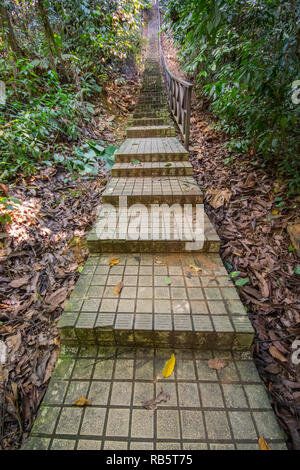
{"points": [[217, 197], [152, 404], [263, 445], [19, 282], [277, 354], [217, 363], [114, 261], [118, 288], [82, 401], [294, 233]]}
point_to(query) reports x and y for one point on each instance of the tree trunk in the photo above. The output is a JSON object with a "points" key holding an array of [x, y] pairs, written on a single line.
{"points": [[50, 37], [9, 32]]}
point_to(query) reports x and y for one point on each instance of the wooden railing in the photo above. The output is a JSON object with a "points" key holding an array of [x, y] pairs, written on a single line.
{"points": [[179, 94]]}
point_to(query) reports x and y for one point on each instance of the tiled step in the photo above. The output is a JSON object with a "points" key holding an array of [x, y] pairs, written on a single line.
{"points": [[150, 131], [150, 122], [164, 149], [143, 114], [151, 107], [152, 169], [181, 190], [199, 310], [155, 228]]}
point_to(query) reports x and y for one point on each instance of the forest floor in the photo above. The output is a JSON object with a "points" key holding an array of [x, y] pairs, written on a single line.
{"points": [[41, 255], [251, 211]]}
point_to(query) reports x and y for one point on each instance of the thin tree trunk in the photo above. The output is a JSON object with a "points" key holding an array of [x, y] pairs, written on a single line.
{"points": [[50, 37], [9, 32]]}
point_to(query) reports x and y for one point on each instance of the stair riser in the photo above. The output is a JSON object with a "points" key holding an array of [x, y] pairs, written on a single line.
{"points": [[157, 339], [155, 199], [144, 133], [140, 172], [148, 246], [150, 114], [150, 122], [147, 158]]}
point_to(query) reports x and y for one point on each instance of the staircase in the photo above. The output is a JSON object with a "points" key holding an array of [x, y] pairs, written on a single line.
{"points": [[176, 292], [175, 297]]}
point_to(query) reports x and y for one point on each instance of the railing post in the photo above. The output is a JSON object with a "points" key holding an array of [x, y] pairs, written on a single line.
{"points": [[172, 84]]}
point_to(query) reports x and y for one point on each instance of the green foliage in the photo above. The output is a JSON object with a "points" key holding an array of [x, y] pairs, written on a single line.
{"points": [[51, 87], [245, 57], [85, 159], [7, 204]]}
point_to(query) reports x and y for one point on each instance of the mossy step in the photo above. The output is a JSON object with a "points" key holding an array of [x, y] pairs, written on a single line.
{"points": [[164, 190], [150, 131], [156, 149], [151, 122], [152, 169], [195, 309], [161, 229]]}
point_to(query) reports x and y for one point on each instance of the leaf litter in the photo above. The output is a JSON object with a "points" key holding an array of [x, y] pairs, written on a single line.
{"points": [[255, 243]]}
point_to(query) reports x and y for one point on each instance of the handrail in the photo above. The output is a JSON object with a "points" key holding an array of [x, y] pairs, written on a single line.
{"points": [[179, 93]]}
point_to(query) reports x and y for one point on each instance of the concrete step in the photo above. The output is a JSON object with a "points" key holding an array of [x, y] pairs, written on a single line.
{"points": [[199, 310], [163, 149], [151, 122], [141, 114], [152, 169], [150, 131], [155, 228], [165, 190]]}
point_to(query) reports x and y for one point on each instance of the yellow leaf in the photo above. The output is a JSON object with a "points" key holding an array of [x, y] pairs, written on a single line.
{"points": [[263, 445], [114, 261], [169, 367], [118, 288], [275, 212], [82, 401], [195, 268]]}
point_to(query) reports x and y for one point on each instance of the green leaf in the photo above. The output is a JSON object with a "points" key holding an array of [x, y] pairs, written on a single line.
{"points": [[234, 274], [297, 269], [80, 268], [242, 282], [167, 280]]}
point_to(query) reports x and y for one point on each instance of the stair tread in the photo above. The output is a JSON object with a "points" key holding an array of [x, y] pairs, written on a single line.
{"points": [[157, 186], [204, 304], [152, 145]]}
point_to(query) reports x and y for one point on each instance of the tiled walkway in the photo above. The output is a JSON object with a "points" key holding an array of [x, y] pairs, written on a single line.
{"points": [[172, 296], [206, 409]]}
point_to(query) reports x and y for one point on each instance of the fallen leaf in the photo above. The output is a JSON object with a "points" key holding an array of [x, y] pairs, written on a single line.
{"points": [[195, 268], [152, 404], [169, 367], [263, 445], [168, 280], [118, 288], [82, 401], [114, 261], [217, 363], [277, 354], [217, 197], [19, 282]]}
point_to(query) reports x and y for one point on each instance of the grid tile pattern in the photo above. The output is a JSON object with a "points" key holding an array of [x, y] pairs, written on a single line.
{"points": [[207, 409], [168, 190], [152, 169], [154, 229], [163, 301], [150, 131], [156, 149]]}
